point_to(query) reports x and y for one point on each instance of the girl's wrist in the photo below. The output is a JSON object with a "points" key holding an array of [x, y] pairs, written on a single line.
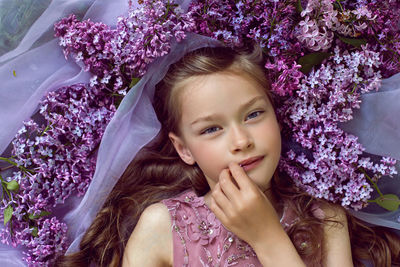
{"points": [[274, 248], [268, 238]]}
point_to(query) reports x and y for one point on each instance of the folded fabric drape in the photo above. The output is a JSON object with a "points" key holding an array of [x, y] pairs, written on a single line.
{"points": [[32, 64]]}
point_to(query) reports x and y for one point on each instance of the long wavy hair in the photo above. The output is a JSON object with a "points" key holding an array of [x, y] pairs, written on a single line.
{"points": [[157, 173]]}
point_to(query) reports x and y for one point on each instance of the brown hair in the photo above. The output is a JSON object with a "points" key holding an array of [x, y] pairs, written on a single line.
{"points": [[157, 173], [379, 245]]}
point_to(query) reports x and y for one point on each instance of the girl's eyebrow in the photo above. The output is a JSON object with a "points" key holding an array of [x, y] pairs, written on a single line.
{"points": [[241, 107]]}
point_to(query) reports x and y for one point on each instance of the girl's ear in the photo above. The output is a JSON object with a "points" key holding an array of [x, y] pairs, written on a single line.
{"points": [[181, 149]]}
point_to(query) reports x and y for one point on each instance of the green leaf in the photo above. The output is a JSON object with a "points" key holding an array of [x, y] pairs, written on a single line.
{"points": [[34, 231], [13, 185], [42, 214], [299, 8], [14, 73], [356, 42], [389, 202], [307, 62], [134, 82], [338, 6], [8, 214]]}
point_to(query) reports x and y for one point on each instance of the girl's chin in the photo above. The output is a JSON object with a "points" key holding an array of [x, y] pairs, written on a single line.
{"points": [[262, 184]]}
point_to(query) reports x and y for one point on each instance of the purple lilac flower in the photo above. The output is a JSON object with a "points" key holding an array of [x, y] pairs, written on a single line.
{"points": [[327, 96], [117, 56], [375, 22], [268, 23], [383, 30], [315, 30], [55, 161], [51, 242]]}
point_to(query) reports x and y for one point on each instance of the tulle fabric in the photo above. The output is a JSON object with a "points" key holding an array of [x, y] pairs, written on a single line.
{"points": [[377, 125], [32, 64], [40, 67]]}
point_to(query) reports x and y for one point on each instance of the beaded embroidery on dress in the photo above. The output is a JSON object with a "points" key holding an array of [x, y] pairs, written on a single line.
{"points": [[200, 239]]}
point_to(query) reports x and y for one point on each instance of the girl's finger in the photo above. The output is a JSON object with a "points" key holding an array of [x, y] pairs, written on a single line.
{"points": [[240, 176], [219, 213], [227, 185], [220, 198]]}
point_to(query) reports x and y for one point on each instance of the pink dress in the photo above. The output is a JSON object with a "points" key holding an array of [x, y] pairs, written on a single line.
{"points": [[200, 239]]}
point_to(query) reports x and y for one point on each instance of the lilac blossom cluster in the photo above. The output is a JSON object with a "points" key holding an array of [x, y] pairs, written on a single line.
{"points": [[55, 160], [268, 23], [51, 241], [331, 164], [44, 242], [321, 21], [384, 31], [119, 56], [324, 23]]}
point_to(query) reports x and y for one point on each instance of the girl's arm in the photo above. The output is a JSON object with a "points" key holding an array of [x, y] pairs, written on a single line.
{"points": [[276, 249], [247, 212], [150, 243], [337, 247]]}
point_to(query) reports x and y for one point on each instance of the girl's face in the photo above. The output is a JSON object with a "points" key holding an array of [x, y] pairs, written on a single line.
{"points": [[228, 118]]}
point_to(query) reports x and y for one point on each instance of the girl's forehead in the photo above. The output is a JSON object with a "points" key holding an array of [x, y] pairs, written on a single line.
{"points": [[218, 92], [213, 85]]}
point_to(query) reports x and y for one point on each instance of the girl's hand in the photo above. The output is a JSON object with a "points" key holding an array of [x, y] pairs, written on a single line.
{"points": [[248, 213], [245, 211]]}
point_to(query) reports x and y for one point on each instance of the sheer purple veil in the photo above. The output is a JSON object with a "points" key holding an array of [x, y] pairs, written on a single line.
{"points": [[40, 67], [32, 64], [377, 125]]}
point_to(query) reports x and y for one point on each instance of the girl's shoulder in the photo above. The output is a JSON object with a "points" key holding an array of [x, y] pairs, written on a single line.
{"points": [[157, 216], [151, 241]]}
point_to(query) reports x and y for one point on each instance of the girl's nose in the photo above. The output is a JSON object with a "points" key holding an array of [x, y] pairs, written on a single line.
{"points": [[241, 139]]}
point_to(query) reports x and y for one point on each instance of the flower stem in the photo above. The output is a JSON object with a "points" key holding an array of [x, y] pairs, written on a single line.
{"points": [[371, 181], [16, 165], [4, 186], [9, 161], [397, 56], [6, 168], [46, 129], [340, 5]]}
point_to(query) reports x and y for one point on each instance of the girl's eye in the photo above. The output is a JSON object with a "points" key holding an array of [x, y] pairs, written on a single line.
{"points": [[254, 114], [210, 130]]}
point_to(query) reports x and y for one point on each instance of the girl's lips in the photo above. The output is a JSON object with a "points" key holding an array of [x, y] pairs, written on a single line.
{"points": [[251, 163]]}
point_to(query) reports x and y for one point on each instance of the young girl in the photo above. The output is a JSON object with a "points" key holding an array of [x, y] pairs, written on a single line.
{"points": [[206, 191]]}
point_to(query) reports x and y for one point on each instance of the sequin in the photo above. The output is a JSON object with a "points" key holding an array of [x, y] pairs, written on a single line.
{"points": [[303, 245], [230, 239]]}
